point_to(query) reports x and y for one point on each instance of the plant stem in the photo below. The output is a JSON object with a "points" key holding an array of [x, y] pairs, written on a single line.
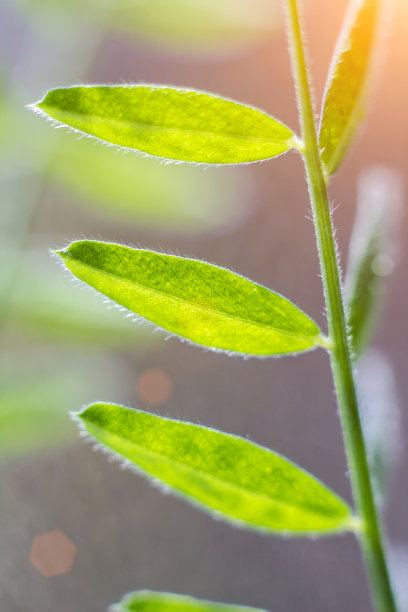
{"points": [[341, 362]]}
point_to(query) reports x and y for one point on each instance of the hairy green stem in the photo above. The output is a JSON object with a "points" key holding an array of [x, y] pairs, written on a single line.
{"points": [[370, 535]]}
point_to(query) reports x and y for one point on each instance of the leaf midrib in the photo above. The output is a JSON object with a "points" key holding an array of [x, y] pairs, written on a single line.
{"points": [[226, 483], [197, 306], [286, 141]]}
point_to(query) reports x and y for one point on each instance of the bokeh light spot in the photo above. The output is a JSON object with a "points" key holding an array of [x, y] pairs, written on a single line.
{"points": [[52, 553], [154, 386]]}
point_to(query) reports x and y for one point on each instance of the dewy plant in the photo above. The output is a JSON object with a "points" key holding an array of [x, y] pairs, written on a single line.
{"points": [[243, 482]]}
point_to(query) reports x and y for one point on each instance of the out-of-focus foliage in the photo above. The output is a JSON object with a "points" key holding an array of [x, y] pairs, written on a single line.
{"points": [[47, 304], [241, 481], [381, 417], [37, 391], [176, 124], [127, 188], [33, 412], [346, 89], [399, 572], [194, 28], [199, 27], [371, 250], [19, 130], [209, 305]]}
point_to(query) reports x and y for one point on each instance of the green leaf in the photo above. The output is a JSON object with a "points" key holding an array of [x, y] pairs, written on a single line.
{"points": [[206, 304], [206, 27], [129, 189], [346, 88], [370, 255], [171, 123], [153, 601], [241, 481]]}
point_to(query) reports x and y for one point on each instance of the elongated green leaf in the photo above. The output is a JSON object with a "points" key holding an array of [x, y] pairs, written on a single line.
{"points": [[206, 304], [346, 88], [172, 123], [241, 481], [370, 257], [153, 601]]}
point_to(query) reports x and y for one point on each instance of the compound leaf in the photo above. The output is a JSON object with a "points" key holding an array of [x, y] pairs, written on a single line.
{"points": [[346, 88], [241, 481], [171, 123], [198, 301]]}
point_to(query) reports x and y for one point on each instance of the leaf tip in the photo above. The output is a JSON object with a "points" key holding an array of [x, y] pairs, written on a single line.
{"points": [[42, 107], [60, 255], [87, 415], [63, 253], [76, 416], [36, 107], [94, 413], [80, 415]]}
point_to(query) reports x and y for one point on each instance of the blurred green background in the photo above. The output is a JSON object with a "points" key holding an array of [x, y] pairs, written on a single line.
{"points": [[62, 347]]}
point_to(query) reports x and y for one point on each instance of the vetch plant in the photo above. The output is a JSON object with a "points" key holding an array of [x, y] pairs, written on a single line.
{"points": [[213, 307]]}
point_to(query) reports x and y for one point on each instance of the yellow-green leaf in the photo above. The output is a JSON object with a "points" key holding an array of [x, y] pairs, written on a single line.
{"points": [[175, 124], [204, 303], [239, 480], [346, 88], [154, 601]]}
